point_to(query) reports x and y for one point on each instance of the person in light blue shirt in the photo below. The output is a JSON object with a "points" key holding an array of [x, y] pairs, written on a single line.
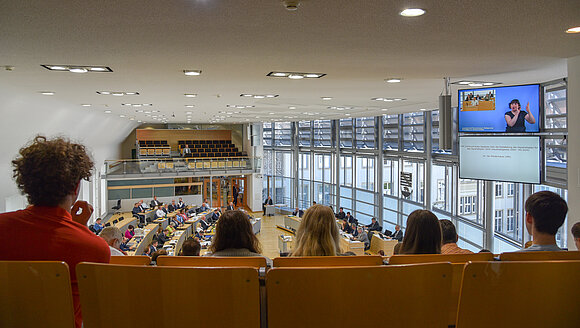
{"points": [[545, 213]]}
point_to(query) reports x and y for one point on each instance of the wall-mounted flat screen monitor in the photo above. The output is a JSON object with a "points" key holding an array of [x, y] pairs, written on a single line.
{"points": [[500, 158], [514, 109]]}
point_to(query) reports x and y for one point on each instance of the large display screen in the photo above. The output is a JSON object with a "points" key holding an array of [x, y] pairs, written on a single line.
{"points": [[513, 109], [499, 158]]}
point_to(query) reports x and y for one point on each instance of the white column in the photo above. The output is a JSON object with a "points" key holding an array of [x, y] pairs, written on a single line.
{"points": [[573, 110]]}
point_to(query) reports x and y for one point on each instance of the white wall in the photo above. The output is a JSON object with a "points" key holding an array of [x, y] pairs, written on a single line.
{"points": [[23, 119], [573, 146]]}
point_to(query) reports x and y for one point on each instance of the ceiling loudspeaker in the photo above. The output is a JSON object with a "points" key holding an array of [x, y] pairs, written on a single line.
{"points": [[291, 5], [445, 122]]}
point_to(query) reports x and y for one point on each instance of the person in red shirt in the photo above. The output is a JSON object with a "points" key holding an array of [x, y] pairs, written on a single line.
{"points": [[54, 227]]}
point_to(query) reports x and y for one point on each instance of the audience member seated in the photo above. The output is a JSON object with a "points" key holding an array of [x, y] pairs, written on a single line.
{"points": [[230, 207], [317, 234], [350, 218], [163, 237], [181, 217], [374, 226], [576, 234], [199, 235], [362, 236], [181, 204], [153, 246], [267, 202], [203, 223], [398, 234], [125, 245], [354, 229], [234, 236], [545, 213], [155, 255], [340, 215], [155, 202], [423, 234], [98, 226], [298, 212], [190, 247], [54, 227], [185, 150], [138, 213], [203, 207], [130, 232], [346, 228], [143, 206], [171, 228], [160, 213], [172, 207], [215, 216], [113, 237], [450, 239]]}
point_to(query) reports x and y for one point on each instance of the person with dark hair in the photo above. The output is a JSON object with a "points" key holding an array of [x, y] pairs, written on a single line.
{"points": [[340, 215], [346, 228], [374, 226], [180, 203], [545, 213], [266, 203], [423, 234], [190, 247], [450, 238], [234, 236], [350, 218], [156, 254], [515, 117], [125, 245], [54, 227], [153, 246], [163, 237], [172, 207], [130, 232], [155, 202], [98, 226], [215, 216], [576, 234], [138, 212]]}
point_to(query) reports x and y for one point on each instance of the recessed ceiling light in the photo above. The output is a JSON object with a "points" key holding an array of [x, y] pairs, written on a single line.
{"points": [[475, 84], [346, 114], [422, 109], [384, 109], [393, 80], [188, 112], [412, 12], [189, 106], [107, 112], [139, 121], [291, 107], [86, 105], [192, 72], [190, 95], [464, 82], [118, 93], [272, 113], [121, 116], [47, 93], [326, 98], [296, 75], [78, 68], [573, 30], [139, 111], [256, 96], [388, 99]]}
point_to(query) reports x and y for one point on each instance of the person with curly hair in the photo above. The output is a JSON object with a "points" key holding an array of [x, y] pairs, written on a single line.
{"points": [[54, 227]]}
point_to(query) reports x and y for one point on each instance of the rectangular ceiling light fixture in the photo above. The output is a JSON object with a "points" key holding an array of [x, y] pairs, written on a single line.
{"points": [[296, 75], [388, 99], [117, 93], [78, 68], [258, 96], [470, 83]]}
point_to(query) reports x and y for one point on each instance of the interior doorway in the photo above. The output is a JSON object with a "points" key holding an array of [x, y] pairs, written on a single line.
{"points": [[220, 191]]}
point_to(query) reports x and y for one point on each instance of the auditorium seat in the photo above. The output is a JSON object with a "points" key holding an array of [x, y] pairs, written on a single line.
{"points": [[137, 296], [211, 261], [327, 261], [131, 260], [35, 294], [540, 256], [457, 261], [407, 296], [519, 294]]}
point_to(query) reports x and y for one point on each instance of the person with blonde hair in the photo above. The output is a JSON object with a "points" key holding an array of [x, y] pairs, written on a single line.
{"points": [[113, 236], [317, 234]]}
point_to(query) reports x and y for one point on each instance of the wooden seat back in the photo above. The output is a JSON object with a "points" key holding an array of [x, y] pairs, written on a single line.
{"points": [[327, 261], [35, 294], [519, 294], [131, 260], [211, 261], [540, 256], [326, 297], [137, 296], [458, 262]]}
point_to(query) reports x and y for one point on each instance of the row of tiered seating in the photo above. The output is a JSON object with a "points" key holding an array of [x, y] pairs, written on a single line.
{"points": [[310, 294], [154, 148], [153, 143], [210, 148]]}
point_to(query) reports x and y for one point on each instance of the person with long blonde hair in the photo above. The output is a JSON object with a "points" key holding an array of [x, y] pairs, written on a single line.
{"points": [[318, 233]]}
